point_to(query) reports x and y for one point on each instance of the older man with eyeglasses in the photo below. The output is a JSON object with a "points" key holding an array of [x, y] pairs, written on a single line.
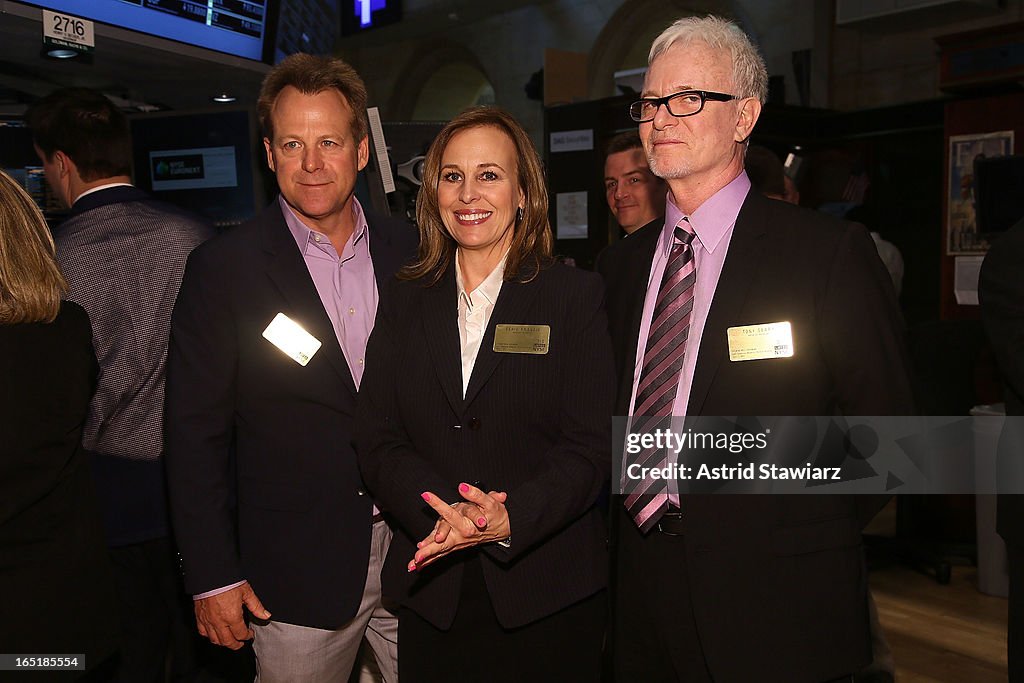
{"points": [[739, 588]]}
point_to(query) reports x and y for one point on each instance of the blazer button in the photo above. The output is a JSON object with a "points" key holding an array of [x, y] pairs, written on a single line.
{"points": [[474, 423], [360, 492]]}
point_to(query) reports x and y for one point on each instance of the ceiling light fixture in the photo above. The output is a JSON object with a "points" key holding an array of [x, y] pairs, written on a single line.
{"points": [[62, 53], [224, 98]]}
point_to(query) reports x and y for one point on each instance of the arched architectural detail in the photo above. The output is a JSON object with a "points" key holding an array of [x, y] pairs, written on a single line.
{"points": [[628, 34], [425, 62]]}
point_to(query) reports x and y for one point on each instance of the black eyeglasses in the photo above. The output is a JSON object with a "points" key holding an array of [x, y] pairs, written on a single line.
{"points": [[685, 103]]}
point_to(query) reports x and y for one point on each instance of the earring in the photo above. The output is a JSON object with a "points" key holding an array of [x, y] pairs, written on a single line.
{"points": [[519, 214]]}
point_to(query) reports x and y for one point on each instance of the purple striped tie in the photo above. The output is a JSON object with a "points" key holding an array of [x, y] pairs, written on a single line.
{"points": [[659, 375]]}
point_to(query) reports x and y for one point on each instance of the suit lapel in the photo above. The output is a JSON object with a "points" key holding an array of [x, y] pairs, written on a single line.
{"points": [[513, 308], [441, 329], [632, 291], [287, 271], [386, 259], [746, 251]]}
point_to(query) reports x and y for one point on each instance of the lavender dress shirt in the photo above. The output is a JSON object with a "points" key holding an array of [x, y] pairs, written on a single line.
{"points": [[345, 283], [712, 223]]}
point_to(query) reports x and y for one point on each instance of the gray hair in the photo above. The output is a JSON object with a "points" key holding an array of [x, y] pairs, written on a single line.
{"points": [[749, 74]]}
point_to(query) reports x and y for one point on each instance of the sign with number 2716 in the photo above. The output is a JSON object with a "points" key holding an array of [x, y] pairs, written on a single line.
{"points": [[68, 31]]}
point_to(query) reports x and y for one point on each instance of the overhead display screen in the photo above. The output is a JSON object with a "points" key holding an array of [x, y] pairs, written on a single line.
{"points": [[360, 15], [235, 27]]}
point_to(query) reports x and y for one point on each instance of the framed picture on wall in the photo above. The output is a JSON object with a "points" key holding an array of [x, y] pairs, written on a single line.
{"points": [[962, 234]]}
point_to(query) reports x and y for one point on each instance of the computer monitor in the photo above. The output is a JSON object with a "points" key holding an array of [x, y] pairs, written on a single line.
{"points": [[19, 160], [205, 161]]}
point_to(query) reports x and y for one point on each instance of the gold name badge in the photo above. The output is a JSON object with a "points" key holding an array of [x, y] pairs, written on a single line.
{"points": [[756, 342], [288, 335], [522, 339]]}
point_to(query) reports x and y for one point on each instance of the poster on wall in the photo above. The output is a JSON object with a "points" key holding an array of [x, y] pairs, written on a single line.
{"points": [[962, 236], [571, 215]]}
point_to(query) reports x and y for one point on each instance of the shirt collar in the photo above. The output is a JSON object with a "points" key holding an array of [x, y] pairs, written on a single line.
{"points": [[100, 187], [488, 289], [712, 219], [303, 234]]}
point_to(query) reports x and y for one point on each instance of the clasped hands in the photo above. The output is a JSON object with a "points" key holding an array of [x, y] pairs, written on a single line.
{"points": [[481, 518]]}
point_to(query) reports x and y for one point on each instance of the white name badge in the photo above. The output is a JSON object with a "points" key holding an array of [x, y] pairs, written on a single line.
{"points": [[288, 335], [756, 342]]}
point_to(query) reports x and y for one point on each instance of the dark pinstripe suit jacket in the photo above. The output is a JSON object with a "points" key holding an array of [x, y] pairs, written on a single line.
{"points": [[536, 426]]}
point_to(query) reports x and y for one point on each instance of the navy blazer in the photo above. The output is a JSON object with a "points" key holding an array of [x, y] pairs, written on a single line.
{"points": [[535, 426], [263, 479]]}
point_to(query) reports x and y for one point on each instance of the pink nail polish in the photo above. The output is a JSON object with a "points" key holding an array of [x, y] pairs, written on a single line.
{"points": [[464, 488], [425, 496], [481, 522]]}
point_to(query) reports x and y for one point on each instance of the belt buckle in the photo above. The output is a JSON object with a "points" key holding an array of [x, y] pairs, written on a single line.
{"points": [[674, 516]]}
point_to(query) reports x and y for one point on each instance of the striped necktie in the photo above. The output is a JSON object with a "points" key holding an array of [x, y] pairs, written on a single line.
{"points": [[659, 375]]}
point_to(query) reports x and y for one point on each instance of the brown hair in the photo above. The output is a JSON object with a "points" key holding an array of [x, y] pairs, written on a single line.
{"points": [[623, 142], [311, 74], [87, 127], [30, 281], [532, 242]]}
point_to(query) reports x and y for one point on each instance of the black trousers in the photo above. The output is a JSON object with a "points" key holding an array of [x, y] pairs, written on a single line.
{"points": [[655, 638], [562, 648], [654, 633], [154, 613], [158, 623]]}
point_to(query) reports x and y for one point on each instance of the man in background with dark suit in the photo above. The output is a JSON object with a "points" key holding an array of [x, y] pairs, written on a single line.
{"points": [[266, 356], [746, 587], [123, 254], [1001, 295], [635, 196]]}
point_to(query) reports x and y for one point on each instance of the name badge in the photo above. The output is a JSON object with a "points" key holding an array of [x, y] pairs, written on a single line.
{"points": [[288, 335], [531, 339], [756, 342]]}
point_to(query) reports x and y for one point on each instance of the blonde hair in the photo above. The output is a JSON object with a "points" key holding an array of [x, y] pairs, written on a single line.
{"points": [[532, 243], [749, 74], [31, 284]]}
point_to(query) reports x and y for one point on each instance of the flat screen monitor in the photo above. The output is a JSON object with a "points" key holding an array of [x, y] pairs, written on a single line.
{"points": [[235, 27], [204, 161], [19, 160]]}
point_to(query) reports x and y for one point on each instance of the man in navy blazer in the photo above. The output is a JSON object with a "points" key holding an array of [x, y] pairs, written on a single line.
{"points": [[266, 356], [744, 587]]}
